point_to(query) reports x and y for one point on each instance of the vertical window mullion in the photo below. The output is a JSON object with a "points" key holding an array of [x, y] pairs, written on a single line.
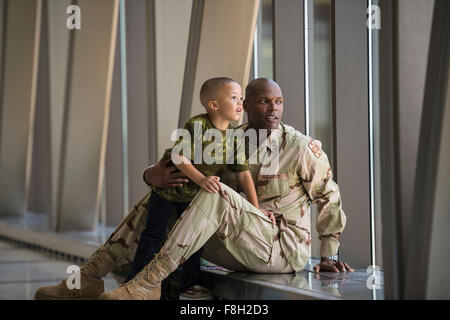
{"points": [[306, 29], [124, 106], [371, 136]]}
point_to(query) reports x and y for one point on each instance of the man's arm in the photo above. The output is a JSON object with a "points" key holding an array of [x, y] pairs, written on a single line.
{"points": [[316, 176], [161, 175]]}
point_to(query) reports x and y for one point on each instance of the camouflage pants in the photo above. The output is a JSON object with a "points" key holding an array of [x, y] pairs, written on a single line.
{"points": [[226, 222], [123, 242], [235, 235]]}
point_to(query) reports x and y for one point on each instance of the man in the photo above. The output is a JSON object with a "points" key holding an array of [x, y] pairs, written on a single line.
{"points": [[304, 175], [239, 236]]}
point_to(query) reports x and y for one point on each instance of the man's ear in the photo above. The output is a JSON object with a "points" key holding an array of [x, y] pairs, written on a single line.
{"points": [[213, 105], [245, 106]]}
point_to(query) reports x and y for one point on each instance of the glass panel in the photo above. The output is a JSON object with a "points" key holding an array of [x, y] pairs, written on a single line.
{"points": [[321, 111], [262, 59], [262, 62], [321, 103], [265, 52]]}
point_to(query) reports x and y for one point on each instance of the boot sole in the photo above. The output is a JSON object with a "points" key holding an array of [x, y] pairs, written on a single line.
{"points": [[45, 297]]}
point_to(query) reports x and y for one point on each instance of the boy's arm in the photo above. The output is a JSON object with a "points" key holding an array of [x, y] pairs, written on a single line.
{"points": [[246, 182], [209, 184]]}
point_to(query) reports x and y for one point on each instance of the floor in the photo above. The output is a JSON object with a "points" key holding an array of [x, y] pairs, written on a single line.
{"points": [[357, 285], [23, 271]]}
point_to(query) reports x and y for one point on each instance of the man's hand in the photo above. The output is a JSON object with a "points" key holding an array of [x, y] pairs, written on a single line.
{"points": [[162, 176], [270, 215], [210, 184], [332, 265]]}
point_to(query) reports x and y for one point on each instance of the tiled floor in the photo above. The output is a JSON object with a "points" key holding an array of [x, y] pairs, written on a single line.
{"points": [[23, 271]]}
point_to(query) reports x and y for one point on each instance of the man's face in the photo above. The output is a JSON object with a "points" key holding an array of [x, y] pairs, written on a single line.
{"points": [[265, 106]]}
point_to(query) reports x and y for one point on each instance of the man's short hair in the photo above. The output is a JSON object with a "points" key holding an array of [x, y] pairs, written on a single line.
{"points": [[209, 88], [254, 87]]}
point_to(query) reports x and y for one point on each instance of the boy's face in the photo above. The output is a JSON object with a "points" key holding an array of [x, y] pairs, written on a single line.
{"points": [[229, 100]]}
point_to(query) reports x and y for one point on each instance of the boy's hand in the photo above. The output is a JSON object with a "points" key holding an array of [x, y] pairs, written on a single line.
{"points": [[210, 184], [270, 215]]}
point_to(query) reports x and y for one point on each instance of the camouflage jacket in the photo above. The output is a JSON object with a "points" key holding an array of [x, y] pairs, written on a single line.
{"points": [[302, 175], [196, 148]]}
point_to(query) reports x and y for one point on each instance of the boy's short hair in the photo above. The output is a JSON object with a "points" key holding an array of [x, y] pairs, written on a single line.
{"points": [[210, 86]]}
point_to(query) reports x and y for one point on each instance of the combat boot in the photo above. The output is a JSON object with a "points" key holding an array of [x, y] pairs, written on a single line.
{"points": [[98, 265], [146, 285]]}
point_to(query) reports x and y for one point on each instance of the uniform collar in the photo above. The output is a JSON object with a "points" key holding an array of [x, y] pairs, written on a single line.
{"points": [[274, 140]]}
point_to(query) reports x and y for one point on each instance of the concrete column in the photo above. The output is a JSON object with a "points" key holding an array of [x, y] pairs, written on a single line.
{"points": [[113, 163], [172, 19], [39, 192], [414, 28], [20, 63], [429, 221], [87, 115], [58, 63]]}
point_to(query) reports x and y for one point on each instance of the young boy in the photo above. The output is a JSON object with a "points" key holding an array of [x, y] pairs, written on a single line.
{"points": [[222, 99]]}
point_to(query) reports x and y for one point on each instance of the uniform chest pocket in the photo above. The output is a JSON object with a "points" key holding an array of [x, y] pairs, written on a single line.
{"points": [[276, 184]]}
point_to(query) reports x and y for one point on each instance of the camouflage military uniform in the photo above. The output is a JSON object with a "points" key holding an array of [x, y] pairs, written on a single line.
{"points": [[199, 143], [303, 175]]}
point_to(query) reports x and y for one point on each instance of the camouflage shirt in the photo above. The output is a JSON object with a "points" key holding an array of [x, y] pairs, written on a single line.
{"points": [[303, 175], [210, 153]]}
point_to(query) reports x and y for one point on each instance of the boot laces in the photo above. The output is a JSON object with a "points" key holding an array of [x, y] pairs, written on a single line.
{"points": [[145, 273]]}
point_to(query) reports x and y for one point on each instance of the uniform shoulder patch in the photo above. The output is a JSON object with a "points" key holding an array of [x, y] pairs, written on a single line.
{"points": [[329, 175], [315, 148]]}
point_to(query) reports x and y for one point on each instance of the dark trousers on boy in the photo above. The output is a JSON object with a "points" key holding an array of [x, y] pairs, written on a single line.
{"points": [[158, 214]]}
